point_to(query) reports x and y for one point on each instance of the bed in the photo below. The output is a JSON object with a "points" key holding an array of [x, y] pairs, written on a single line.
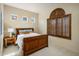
{"points": [[29, 41]]}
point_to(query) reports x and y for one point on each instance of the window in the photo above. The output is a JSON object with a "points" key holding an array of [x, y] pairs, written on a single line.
{"points": [[59, 24]]}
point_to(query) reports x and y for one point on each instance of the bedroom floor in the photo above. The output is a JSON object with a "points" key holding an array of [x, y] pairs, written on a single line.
{"points": [[10, 50], [48, 51]]}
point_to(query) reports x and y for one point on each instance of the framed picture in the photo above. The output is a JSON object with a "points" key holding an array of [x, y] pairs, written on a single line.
{"points": [[32, 19], [13, 16], [24, 18]]}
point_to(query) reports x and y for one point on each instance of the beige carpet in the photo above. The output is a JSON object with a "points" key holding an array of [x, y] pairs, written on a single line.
{"points": [[48, 51]]}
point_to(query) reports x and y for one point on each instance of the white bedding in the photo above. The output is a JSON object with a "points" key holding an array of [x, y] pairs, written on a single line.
{"points": [[21, 36]]}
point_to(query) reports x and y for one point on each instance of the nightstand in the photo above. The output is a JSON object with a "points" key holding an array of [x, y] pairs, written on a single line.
{"points": [[9, 40]]}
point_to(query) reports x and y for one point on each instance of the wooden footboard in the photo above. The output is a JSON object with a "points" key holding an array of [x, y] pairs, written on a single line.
{"points": [[35, 43]]}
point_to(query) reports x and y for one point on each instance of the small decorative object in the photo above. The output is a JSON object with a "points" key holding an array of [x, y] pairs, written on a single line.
{"points": [[13, 16], [13, 34], [24, 18]]}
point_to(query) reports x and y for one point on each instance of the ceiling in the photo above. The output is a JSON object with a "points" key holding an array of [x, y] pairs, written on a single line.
{"points": [[36, 7]]}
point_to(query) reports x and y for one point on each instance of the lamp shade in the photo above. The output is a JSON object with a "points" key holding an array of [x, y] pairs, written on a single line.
{"points": [[10, 30]]}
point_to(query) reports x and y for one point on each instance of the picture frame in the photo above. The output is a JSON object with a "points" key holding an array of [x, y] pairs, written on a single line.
{"points": [[13, 17], [24, 18], [32, 19]]}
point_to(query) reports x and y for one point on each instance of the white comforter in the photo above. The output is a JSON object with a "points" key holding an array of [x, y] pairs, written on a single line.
{"points": [[21, 36]]}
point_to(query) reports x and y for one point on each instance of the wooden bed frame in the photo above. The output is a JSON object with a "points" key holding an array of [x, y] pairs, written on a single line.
{"points": [[32, 44]]}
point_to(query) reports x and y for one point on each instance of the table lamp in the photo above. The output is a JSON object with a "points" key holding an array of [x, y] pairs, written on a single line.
{"points": [[11, 30]]}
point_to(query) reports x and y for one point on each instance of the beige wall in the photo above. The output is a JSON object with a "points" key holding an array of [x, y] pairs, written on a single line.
{"points": [[8, 10], [44, 11]]}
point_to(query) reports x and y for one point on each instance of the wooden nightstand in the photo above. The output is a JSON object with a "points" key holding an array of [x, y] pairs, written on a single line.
{"points": [[9, 40]]}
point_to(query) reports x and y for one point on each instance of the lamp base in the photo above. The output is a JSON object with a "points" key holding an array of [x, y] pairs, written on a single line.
{"points": [[10, 34]]}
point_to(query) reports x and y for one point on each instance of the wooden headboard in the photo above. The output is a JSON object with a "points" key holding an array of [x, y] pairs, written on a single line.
{"points": [[17, 30]]}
